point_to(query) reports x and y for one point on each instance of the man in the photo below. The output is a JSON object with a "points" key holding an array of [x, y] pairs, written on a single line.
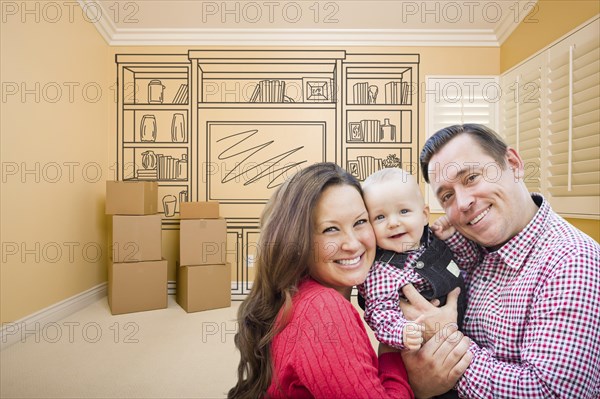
{"points": [[532, 280]]}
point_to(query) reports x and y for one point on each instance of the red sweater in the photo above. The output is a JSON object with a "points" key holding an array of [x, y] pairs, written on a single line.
{"points": [[324, 352]]}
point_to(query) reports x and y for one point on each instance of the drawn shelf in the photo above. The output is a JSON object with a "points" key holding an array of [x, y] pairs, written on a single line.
{"points": [[379, 107], [161, 144], [249, 105], [155, 107], [232, 125], [380, 112], [153, 121], [379, 127], [156, 163], [263, 78], [363, 161], [379, 84], [156, 84], [155, 126], [273, 90]]}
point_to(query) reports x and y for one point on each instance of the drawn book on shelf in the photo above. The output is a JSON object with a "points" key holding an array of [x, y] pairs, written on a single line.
{"points": [[269, 91], [364, 165], [360, 93], [182, 95], [371, 129], [397, 92], [167, 168]]}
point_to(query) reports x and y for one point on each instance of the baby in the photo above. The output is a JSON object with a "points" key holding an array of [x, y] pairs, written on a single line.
{"points": [[407, 253]]}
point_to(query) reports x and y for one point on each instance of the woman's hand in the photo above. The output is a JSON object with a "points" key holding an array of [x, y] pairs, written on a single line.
{"points": [[433, 318]]}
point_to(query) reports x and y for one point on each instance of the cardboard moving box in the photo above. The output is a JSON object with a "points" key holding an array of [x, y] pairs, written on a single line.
{"points": [[202, 241], [204, 287], [136, 238], [199, 210], [131, 197], [137, 286]]}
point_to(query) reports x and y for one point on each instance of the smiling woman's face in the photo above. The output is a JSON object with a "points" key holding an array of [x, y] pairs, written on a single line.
{"points": [[343, 239]]}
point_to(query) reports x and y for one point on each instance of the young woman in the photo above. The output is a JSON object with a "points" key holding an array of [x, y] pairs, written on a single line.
{"points": [[299, 335]]}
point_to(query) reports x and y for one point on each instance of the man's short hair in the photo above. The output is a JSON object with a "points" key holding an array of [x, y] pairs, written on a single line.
{"points": [[491, 143]]}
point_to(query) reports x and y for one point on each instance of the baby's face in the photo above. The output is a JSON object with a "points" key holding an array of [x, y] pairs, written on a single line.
{"points": [[397, 213]]}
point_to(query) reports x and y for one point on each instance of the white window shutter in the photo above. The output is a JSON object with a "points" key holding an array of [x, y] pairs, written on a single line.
{"points": [[521, 117], [456, 100], [509, 109], [574, 123]]}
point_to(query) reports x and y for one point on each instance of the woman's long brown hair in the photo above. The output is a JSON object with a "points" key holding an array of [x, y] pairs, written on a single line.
{"points": [[284, 251]]}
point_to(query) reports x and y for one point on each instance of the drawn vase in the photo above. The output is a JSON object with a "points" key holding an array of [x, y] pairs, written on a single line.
{"points": [[178, 131], [155, 92], [182, 168], [183, 196], [149, 160], [372, 94], [388, 131], [169, 205], [148, 129]]}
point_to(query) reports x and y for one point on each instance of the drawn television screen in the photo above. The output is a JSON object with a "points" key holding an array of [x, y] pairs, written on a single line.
{"points": [[248, 160]]}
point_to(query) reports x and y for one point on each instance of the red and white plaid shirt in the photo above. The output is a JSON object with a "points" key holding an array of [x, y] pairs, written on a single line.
{"points": [[382, 290], [533, 313]]}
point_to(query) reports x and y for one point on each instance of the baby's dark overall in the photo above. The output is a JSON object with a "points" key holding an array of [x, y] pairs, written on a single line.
{"points": [[432, 266]]}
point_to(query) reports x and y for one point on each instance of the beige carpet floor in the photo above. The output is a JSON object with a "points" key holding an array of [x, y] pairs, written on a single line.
{"points": [[164, 353]]}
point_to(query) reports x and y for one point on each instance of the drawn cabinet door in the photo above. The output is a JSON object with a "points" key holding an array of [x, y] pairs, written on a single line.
{"points": [[244, 158]]}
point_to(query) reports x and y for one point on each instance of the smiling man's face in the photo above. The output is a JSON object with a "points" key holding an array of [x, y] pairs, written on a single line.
{"points": [[480, 197]]}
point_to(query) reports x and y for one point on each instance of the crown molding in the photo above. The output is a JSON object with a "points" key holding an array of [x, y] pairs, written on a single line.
{"points": [[508, 25], [492, 37], [297, 37], [105, 26]]}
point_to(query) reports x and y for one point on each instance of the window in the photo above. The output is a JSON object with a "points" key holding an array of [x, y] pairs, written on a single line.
{"points": [[455, 100]]}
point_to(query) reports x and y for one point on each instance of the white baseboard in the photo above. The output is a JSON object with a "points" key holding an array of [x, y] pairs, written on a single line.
{"points": [[13, 332], [171, 287]]}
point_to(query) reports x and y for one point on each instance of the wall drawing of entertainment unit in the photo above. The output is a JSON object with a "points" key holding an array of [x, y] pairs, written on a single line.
{"points": [[232, 125]]}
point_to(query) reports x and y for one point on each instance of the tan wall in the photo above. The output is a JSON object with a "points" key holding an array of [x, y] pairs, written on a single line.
{"points": [[550, 20], [589, 227], [43, 212], [68, 213], [52, 217]]}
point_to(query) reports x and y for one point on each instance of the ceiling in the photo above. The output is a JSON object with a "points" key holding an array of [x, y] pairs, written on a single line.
{"points": [[307, 22]]}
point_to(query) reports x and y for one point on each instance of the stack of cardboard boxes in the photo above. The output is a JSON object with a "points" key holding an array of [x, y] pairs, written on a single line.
{"points": [[137, 274], [203, 275]]}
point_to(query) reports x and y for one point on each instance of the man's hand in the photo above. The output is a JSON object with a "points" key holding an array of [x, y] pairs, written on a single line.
{"points": [[437, 366], [442, 228], [433, 318]]}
